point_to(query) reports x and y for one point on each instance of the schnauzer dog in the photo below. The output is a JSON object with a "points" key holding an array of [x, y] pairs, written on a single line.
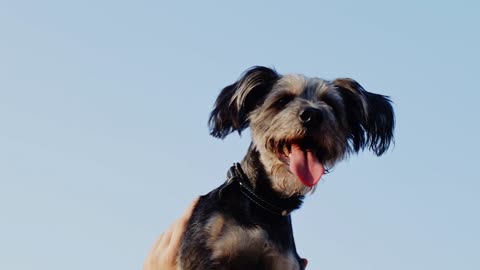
{"points": [[300, 128]]}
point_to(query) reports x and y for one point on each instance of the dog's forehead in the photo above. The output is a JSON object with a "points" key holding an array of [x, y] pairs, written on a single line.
{"points": [[300, 85]]}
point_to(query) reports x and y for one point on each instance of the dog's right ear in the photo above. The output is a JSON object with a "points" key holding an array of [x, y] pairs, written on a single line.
{"points": [[236, 101]]}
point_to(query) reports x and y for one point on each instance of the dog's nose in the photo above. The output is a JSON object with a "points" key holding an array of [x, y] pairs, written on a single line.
{"points": [[309, 115]]}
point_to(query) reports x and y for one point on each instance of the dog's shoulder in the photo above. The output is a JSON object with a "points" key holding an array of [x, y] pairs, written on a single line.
{"points": [[224, 233], [231, 237], [244, 247]]}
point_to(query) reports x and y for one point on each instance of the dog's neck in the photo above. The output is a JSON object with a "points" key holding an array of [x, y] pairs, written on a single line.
{"points": [[261, 182]]}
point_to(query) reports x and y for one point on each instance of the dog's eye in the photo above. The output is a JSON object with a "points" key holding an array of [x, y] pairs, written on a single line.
{"points": [[283, 101]]}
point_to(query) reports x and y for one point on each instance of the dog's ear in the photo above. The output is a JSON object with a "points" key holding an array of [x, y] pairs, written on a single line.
{"points": [[370, 117], [236, 101]]}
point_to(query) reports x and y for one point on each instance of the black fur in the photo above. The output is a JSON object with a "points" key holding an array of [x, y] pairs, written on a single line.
{"points": [[227, 116], [231, 203], [347, 119], [370, 117]]}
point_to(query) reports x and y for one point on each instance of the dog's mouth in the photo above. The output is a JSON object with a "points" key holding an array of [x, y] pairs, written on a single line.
{"points": [[301, 159]]}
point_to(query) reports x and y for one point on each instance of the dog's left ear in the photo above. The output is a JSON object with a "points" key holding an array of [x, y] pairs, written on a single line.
{"points": [[370, 117], [237, 100]]}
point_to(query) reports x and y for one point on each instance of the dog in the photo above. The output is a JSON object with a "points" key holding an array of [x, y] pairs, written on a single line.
{"points": [[300, 127]]}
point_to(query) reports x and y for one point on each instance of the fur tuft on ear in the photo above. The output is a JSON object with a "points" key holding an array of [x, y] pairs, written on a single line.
{"points": [[370, 117], [237, 100]]}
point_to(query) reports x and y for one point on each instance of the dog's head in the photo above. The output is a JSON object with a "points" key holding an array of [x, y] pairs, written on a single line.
{"points": [[301, 125]]}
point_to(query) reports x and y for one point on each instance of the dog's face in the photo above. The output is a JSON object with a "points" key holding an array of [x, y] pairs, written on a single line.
{"points": [[302, 125]]}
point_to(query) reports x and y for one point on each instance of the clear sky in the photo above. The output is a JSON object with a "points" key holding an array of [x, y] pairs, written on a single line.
{"points": [[104, 138]]}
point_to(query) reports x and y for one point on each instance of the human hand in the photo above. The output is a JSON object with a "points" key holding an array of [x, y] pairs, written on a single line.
{"points": [[163, 255]]}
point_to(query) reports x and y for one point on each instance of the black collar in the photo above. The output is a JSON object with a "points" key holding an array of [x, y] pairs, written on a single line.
{"points": [[236, 174]]}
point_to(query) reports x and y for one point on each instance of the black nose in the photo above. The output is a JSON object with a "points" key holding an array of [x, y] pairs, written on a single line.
{"points": [[309, 115]]}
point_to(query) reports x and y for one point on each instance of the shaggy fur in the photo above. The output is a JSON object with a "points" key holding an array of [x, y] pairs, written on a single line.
{"points": [[229, 230]]}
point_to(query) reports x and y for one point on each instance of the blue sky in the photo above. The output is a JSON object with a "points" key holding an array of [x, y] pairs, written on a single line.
{"points": [[104, 139]]}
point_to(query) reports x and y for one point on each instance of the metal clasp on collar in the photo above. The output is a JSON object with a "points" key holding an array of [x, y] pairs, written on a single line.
{"points": [[228, 182]]}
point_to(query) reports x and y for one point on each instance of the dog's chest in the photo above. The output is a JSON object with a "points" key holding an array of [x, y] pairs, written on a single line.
{"points": [[246, 247]]}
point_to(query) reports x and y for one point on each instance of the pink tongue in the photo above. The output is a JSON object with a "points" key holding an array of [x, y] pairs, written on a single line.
{"points": [[305, 166]]}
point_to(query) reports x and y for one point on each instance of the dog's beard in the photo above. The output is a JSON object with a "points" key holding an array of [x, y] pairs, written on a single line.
{"points": [[302, 162], [296, 165], [293, 171], [285, 182]]}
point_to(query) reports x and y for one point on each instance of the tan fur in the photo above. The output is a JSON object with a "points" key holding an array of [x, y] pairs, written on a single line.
{"points": [[284, 181], [285, 113], [215, 227], [294, 83], [227, 239], [269, 124]]}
